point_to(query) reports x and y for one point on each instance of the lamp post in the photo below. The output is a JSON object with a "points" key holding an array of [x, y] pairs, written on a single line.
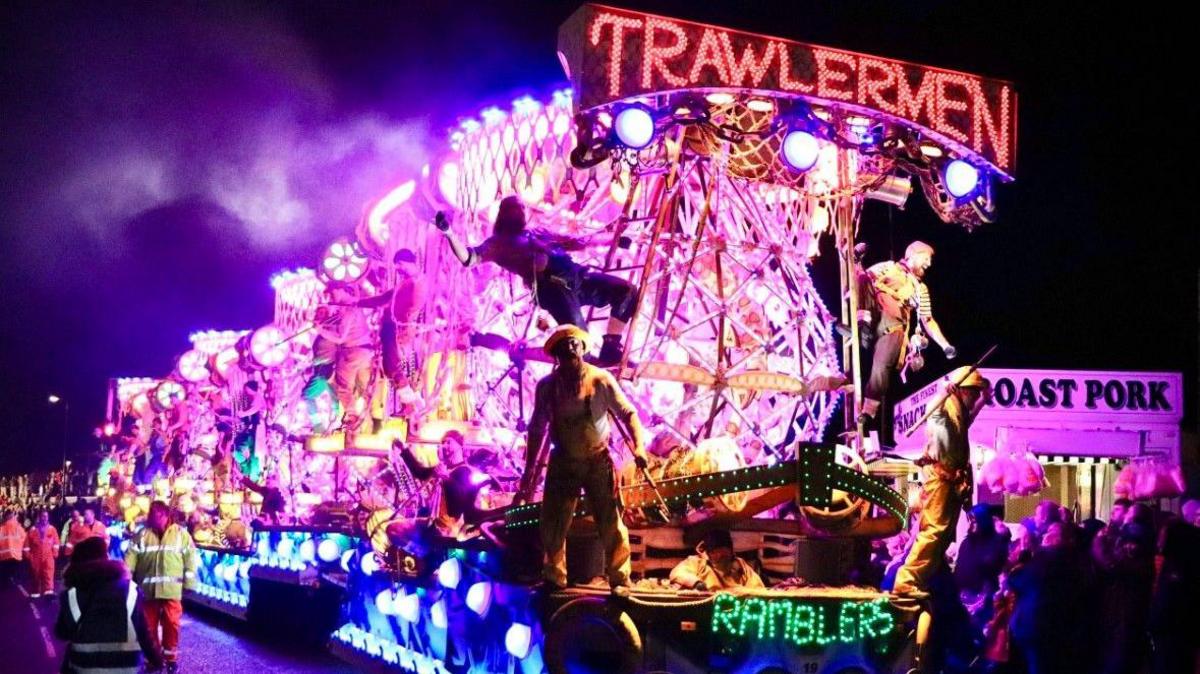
{"points": [[54, 400]]}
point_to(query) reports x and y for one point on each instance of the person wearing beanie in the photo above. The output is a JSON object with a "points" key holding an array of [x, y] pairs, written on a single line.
{"points": [[715, 566], [100, 615]]}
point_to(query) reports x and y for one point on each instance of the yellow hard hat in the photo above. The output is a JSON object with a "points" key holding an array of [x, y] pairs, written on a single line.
{"points": [[973, 380], [565, 332]]}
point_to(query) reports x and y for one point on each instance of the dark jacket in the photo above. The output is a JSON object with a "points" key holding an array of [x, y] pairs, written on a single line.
{"points": [[101, 620]]}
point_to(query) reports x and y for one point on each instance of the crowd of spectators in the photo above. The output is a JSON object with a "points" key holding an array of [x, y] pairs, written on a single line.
{"points": [[1055, 595]]}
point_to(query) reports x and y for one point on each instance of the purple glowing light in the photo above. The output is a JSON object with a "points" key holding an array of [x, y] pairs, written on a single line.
{"points": [[479, 598], [961, 178], [450, 573], [800, 149], [634, 127]]}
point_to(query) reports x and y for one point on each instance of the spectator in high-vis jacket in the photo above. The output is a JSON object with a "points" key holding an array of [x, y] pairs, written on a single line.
{"points": [[163, 560], [100, 616]]}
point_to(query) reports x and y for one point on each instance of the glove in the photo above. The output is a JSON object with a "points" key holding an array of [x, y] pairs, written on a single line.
{"points": [[700, 586], [639, 460], [441, 222], [950, 351]]}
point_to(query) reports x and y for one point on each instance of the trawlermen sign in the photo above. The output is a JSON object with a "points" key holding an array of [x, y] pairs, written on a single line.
{"points": [[611, 54], [1066, 393]]}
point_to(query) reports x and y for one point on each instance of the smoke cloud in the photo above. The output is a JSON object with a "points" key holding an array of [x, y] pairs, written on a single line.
{"points": [[224, 108]]}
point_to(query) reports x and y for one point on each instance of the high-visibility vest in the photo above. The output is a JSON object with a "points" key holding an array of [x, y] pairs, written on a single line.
{"points": [[102, 640], [164, 566], [12, 540], [80, 532]]}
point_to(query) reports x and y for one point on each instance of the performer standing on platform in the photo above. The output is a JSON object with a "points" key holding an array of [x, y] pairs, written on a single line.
{"points": [[398, 327], [896, 290], [947, 480], [561, 286], [573, 404], [344, 339]]}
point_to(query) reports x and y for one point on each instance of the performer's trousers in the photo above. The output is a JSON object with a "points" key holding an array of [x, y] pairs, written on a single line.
{"points": [[943, 501], [884, 362], [351, 370], [564, 295], [41, 573], [164, 613], [564, 478]]}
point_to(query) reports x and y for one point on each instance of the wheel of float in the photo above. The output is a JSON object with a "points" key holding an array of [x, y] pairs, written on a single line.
{"points": [[847, 508], [592, 635]]}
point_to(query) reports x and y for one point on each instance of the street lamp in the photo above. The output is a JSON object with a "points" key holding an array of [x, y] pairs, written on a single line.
{"points": [[54, 400]]}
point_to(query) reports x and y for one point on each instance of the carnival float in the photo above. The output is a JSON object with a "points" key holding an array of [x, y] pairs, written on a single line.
{"points": [[708, 168]]}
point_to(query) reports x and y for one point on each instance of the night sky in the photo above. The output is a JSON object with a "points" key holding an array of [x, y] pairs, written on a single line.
{"points": [[159, 161]]}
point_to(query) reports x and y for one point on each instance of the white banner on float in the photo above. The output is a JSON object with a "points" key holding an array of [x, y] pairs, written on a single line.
{"points": [[1132, 399]]}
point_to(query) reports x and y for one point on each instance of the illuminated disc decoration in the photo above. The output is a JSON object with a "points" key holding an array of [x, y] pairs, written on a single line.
{"points": [[225, 360], [169, 394], [268, 346], [328, 550], [193, 366], [344, 262]]}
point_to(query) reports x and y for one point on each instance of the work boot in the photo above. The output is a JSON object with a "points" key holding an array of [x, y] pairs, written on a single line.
{"points": [[610, 352], [548, 587]]}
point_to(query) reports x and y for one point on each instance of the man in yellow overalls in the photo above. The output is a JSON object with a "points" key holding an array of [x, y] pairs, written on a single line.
{"points": [[947, 480], [574, 404]]}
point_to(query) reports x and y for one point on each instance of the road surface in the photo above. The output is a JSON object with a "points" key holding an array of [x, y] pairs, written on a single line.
{"points": [[211, 643]]}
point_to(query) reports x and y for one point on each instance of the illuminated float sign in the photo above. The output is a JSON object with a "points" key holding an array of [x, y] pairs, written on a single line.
{"points": [[804, 623], [612, 54], [1148, 397]]}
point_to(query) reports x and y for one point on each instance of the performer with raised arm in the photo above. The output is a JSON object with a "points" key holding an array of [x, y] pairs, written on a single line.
{"points": [[573, 405], [561, 286], [947, 479], [896, 290]]}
